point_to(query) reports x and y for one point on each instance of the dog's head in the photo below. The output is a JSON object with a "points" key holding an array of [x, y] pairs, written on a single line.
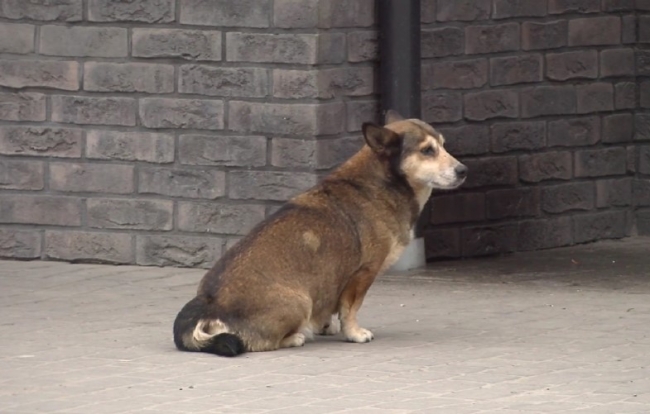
{"points": [[416, 150]]}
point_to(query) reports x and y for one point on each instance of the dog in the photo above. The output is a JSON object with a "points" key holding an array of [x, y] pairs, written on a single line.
{"points": [[318, 255]]}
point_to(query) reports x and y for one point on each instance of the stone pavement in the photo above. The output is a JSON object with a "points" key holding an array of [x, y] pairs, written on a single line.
{"points": [[548, 332]]}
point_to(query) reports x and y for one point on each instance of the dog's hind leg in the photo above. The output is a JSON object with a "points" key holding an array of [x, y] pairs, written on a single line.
{"points": [[297, 339], [349, 303]]}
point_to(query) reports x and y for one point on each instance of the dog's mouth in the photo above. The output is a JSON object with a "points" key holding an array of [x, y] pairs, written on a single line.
{"points": [[448, 185]]}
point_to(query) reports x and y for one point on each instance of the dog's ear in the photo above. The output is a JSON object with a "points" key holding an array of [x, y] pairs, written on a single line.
{"points": [[381, 140], [392, 116]]}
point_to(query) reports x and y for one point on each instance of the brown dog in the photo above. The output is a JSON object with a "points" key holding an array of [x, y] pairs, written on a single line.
{"points": [[318, 255]]}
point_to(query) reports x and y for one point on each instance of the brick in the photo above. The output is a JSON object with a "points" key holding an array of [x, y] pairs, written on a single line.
{"points": [[295, 84], [195, 252], [643, 29], [16, 38], [83, 41], [515, 202], [491, 39], [128, 77], [643, 223], [439, 107], [642, 127], [177, 43], [272, 48], [512, 136], [641, 192], [184, 183], [428, 11], [442, 243], [601, 162], [94, 110], [331, 48], [359, 112], [347, 13], [642, 58], [628, 29], [182, 113], [466, 139], [572, 65], [231, 151], [218, 218], [504, 9], [41, 141], [243, 13], [82, 246], [20, 74], [625, 95], [599, 226], [614, 193], [332, 152], [363, 46], [644, 159], [491, 171], [441, 42], [515, 69], [293, 153], [592, 31], [21, 175], [595, 97], [463, 10], [544, 234], [573, 6], [617, 62], [289, 119], [346, 81], [642, 5], [544, 35], [130, 146], [489, 240], [457, 208], [568, 197], [20, 244], [461, 74], [52, 10], [483, 105], [219, 81], [548, 100], [22, 106], [292, 14], [534, 168], [96, 178], [268, 185], [105, 213], [644, 94], [618, 5], [147, 11], [631, 159], [40, 210], [618, 128]]}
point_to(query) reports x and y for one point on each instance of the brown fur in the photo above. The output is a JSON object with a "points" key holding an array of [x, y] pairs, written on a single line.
{"points": [[320, 253]]}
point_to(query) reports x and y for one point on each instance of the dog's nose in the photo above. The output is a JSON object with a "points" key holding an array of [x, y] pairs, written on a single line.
{"points": [[461, 171]]}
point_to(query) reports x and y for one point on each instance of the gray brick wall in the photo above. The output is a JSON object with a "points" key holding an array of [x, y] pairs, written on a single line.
{"points": [[547, 102], [158, 132]]}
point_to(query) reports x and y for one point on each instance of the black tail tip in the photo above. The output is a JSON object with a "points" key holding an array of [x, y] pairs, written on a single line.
{"points": [[225, 344]]}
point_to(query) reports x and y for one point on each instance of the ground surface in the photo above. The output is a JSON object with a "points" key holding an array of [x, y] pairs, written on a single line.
{"points": [[550, 332]]}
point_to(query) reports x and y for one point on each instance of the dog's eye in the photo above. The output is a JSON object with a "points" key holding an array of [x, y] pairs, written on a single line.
{"points": [[428, 151]]}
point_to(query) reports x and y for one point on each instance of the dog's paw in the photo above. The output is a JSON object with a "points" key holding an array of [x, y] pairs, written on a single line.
{"points": [[297, 339], [331, 328], [359, 335]]}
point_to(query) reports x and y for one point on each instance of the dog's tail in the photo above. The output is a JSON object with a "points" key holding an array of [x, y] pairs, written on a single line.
{"points": [[194, 332]]}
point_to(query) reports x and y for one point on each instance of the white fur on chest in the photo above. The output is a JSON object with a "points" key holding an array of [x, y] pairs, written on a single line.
{"points": [[395, 252]]}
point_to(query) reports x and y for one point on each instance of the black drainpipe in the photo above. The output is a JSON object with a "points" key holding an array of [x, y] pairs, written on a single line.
{"points": [[399, 67]]}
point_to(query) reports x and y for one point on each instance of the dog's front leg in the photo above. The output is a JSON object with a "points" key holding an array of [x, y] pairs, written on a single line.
{"points": [[349, 304]]}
